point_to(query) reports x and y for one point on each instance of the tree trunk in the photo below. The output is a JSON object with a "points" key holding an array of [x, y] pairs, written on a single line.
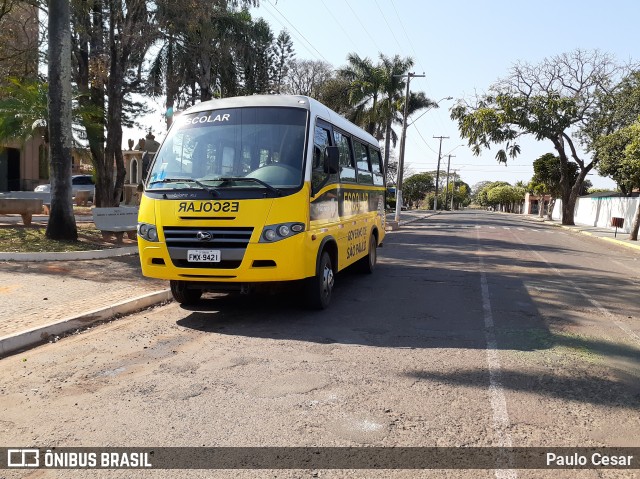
{"points": [[62, 223], [568, 208], [552, 205], [171, 87], [90, 76], [387, 146], [115, 93], [633, 236]]}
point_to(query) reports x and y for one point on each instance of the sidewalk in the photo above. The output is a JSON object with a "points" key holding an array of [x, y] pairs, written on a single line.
{"points": [[43, 299], [605, 234]]}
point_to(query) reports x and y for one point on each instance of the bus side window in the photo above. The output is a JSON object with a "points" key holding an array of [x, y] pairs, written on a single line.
{"points": [[347, 167], [376, 167], [362, 162], [321, 139]]}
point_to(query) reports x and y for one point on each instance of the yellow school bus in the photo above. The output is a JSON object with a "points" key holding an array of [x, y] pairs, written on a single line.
{"points": [[259, 190]]}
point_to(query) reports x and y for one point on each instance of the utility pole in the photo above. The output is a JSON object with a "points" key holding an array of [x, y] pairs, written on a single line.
{"points": [[446, 190], [435, 199], [453, 187], [409, 76]]}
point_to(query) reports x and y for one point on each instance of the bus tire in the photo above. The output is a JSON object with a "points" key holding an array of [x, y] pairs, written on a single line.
{"points": [[368, 263], [320, 286], [182, 294]]}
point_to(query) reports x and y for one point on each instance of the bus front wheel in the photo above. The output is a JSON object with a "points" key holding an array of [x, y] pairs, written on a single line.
{"points": [[320, 286], [182, 294]]}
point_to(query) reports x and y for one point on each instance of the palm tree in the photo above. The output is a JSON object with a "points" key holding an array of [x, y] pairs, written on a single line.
{"points": [[366, 80], [61, 224], [392, 103], [23, 109]]}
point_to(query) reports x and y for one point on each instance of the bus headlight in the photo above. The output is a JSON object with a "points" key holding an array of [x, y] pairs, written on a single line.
{"points": [[148, 232], [283, 230], [280, 231]]}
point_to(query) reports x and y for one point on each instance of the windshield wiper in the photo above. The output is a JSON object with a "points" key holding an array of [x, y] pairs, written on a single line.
{"points": [[273, 190], [171, 180], [212, 191], [207, 188]]}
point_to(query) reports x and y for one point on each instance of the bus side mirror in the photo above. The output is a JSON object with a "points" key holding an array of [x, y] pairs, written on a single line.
{"points": [[331, 156]]}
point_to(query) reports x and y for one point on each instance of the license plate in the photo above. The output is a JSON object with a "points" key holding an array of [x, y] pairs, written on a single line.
{"points": [[203, 256]]}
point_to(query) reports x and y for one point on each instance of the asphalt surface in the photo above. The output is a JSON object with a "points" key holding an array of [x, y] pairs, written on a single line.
{"points": [[476, 329], [44, 298]]}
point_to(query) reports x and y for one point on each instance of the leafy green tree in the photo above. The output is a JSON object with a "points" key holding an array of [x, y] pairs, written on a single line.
{"points": [[506, 196], [476, 189], [555, 100], [283, 56], [416, 187], [619, 155], [258, 60], [23, 109], [482, 196], [461, 194], [546, 179]]}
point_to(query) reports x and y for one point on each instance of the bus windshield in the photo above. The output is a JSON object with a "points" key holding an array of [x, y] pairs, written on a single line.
{"points": [[261, 147]]}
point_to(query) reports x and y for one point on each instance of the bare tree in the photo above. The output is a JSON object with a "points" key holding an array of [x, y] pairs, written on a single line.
{"points": [[307, 76], [558, 100]]}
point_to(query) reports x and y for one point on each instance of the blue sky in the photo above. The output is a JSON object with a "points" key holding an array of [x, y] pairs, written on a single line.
{"points": [[462, 46]]}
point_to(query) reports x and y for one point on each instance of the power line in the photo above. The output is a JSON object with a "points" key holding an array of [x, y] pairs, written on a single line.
{"points": [[299, 33], [405, 32], [340, 25], [293, 34], [362, 25], [390, 29]]}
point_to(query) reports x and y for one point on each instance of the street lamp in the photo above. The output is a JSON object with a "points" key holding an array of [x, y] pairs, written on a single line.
{"points": [[446, 189], [409, 76], [431, 108], [435, 198], [405, 125]]}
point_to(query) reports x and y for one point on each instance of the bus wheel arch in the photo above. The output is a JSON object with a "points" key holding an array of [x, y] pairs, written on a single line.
{"points": [[318, 288]]}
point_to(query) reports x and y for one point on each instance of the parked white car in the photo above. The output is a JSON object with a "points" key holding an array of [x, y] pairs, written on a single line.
{"points": [[78, 183]]}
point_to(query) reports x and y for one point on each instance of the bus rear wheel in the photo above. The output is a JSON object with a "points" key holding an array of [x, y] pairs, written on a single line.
{"points": [[182, 294], [320, 286], [368, 263]]}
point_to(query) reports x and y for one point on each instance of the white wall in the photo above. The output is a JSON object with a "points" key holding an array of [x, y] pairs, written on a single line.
{"points": [[599, 211]]}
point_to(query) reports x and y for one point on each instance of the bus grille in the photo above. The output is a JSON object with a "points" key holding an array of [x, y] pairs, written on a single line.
{"points": [[231, 241]]}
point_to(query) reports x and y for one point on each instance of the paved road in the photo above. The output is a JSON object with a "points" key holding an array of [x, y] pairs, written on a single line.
{"points": [[477, 329]]}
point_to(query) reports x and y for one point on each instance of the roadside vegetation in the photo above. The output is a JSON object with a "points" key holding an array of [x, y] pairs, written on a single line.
{"points": [[32, 239], [182, 52]]}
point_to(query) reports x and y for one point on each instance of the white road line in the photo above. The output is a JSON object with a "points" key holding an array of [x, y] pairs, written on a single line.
{"points": [[594, 302], [496, 391]]}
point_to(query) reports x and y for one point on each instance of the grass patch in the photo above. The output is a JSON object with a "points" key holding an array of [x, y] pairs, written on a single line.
{"points": [[31, 239]]}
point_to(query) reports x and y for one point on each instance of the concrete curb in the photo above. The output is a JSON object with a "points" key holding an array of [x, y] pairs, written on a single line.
{"points": [[405, 222], [70, 255], [604, 238], [576, 229], [16, 342]]}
